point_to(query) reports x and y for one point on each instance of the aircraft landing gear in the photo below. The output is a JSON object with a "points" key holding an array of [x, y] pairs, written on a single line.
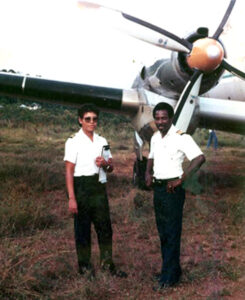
{"points": [[139, 173]]}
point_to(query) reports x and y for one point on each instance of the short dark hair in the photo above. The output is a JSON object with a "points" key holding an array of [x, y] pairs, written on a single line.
{"points": [[88, 108], [163, 106]]}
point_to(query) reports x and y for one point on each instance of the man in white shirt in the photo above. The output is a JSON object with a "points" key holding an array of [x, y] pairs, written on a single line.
{"points": [[168, 149], [88, 159]]}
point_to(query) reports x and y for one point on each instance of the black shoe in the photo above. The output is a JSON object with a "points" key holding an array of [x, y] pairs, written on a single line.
{"points": [[159, 287], [84, 267], [113, 271], [87, 270], [164, 285], [119, 273], [157, 277]]}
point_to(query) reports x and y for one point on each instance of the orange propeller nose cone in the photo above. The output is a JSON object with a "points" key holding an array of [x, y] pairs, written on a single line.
{"points": [[206, 55]]}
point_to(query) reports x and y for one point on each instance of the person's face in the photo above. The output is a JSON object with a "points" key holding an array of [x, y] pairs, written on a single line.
{"points": [[89, 122], [162, 121]]}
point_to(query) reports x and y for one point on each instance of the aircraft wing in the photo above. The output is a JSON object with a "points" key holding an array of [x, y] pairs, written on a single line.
{"points": [[222, 114], [69, 93]]}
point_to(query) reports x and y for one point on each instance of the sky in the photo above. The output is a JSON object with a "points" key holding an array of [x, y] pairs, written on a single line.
{"points": [[59, 39]]}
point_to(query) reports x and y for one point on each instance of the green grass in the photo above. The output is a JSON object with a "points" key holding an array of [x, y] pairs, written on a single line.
{"points": [[225, 139]]}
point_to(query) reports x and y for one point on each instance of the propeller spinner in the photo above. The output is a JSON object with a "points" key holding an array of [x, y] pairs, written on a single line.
{"points": [[206, 55]]}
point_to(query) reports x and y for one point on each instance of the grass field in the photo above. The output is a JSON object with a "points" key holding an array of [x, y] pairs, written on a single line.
{"points": [[37, 254]]}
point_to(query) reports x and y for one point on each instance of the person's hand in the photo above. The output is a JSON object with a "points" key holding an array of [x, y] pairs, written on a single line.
{"points": [[100, 162], [109, 162], [148, 179], [72, 206], [173, 184]]}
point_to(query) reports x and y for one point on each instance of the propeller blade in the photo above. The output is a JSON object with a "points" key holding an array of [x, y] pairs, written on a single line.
{"points": [[232, 69], [187, 45], [186, 105], [143, 30], [224, 20]]}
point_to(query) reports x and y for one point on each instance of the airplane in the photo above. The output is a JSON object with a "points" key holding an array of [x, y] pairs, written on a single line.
{"points": [[192, 81]]}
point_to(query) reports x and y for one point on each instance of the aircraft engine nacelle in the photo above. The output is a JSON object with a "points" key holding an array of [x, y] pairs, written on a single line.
{"points": [[168, 77]]}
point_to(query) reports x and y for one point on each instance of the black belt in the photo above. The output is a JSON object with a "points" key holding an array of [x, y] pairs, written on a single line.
{"points": [[163, 181], [90, 178]]}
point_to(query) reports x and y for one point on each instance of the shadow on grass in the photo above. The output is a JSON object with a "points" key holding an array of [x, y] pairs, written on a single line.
{"points": [[220, 180]]}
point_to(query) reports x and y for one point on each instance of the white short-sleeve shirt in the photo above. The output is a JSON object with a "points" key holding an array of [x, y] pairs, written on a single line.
{"points": [[169, 152], [82, 151]]}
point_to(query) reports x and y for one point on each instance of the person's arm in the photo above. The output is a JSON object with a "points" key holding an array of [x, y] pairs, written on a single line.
{"points": [[106, 165], [194, 165], [148, 173], [72, 206]]}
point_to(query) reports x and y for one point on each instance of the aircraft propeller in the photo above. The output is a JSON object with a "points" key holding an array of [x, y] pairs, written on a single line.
{"points": [[202, 56], [206, 55]]}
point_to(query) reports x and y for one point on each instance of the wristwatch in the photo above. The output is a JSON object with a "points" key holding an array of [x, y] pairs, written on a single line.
{"points": [[108, 167]]}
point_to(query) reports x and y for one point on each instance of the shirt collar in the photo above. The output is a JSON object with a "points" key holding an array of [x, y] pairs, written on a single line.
{"points": [[81, 132], [171, 130]]}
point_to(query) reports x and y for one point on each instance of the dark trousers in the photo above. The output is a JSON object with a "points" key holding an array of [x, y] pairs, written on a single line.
{"points": [[212, 138], [93, 208], [168, 211]]}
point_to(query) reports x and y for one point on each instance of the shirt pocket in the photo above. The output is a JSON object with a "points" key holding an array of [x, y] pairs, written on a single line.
{"points": [[171, 150]]}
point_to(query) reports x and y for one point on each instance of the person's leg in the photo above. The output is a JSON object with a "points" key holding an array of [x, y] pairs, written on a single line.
{"points": [[82, 226], [102, 224], [215, 141], [168, 209], [82, 230], [210, 138], [160, 216]]}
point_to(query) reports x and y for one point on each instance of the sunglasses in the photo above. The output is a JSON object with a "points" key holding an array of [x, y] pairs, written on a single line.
{"points": [[91, 119]]}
